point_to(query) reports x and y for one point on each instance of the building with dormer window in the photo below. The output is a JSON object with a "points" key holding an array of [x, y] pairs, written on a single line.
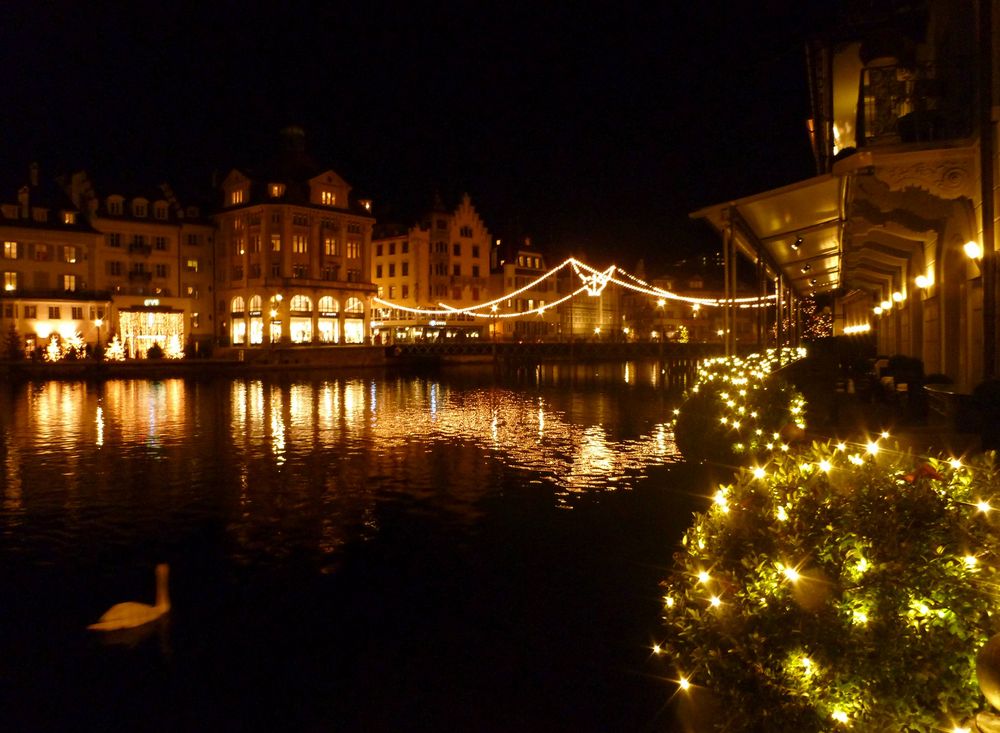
{"points": [[293, 254]]}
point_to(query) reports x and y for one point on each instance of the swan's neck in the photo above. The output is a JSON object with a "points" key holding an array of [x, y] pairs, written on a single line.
{"points": [[162, 595]]}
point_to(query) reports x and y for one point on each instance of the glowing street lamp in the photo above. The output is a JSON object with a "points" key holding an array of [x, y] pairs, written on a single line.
{"points": [[98, 322], [972, 250]]}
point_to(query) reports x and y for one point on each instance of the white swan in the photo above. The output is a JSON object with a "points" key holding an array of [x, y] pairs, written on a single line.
{"points": [[131, 614]]}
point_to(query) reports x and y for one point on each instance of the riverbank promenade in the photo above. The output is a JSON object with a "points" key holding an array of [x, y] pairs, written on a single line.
{"points": [[856, 407]]}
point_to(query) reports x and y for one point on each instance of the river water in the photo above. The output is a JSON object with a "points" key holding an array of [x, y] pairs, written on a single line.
{"points": [[456, 551]]}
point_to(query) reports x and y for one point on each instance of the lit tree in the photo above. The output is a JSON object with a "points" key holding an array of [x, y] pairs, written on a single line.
{"points": [[838, 586], [817, 323]]}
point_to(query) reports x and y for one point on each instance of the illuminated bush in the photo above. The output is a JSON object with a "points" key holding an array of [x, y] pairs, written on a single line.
{"points": [[839, 587], [737, 410]]}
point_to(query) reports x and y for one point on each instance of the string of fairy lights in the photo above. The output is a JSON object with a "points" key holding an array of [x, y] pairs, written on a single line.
{"points": [[593, 283], [781, 491]]}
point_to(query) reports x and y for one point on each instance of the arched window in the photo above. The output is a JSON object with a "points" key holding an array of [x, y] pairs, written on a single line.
{"points": [[354, 307], [300, 304], [328, 304], [255, 304], [239, 306]]}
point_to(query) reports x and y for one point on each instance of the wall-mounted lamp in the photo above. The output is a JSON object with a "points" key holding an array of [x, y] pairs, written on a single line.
{"points": [[886, 305], [923, 281], [972, 250], [797, 243], [898, 297], [877, 310], [806, 267], [813, 281]]}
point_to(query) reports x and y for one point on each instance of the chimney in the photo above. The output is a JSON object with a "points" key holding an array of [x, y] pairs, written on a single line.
{"points": [[33, 174], [23, 200]]}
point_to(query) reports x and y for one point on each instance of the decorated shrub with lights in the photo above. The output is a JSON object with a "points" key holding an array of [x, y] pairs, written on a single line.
{"points": [[737, 410], [839, 587]]}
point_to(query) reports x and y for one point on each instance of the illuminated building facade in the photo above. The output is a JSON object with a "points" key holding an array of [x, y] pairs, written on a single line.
{"points": [[293, 255], [515, 270], [154, 257], [51, 288], [900, 222], [443, 259]]}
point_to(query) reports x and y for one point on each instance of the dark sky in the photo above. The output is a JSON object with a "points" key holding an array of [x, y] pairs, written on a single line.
{"points": [[595, 131]]}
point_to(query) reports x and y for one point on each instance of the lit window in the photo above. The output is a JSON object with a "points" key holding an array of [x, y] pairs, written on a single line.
{"points": [[69, 254], [69, 282], [330, 246], [275, 242], [392, 292], [353, 250], [275, 190], [236, 197], [10, 250], [10, 281], [69, 217], [328, 198], [192, 265], [300, 304], [300, 243]]}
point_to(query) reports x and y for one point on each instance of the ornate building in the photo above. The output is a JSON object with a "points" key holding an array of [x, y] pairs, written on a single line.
{"points": [[900, 221], [293, 255], [84, 268], [441, 261]]}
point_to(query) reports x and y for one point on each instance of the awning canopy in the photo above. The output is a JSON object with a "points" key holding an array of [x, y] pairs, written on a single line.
{"points": [[796, 230]]}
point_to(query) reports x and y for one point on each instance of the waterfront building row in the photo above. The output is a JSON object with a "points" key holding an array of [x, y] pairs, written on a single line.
{"points": [[288, 254]]}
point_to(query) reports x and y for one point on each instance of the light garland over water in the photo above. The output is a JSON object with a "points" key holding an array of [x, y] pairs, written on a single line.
{"points": [[593, 284]]}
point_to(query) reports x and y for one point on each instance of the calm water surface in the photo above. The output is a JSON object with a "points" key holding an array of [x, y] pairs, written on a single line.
{"points": [[447, 552]]}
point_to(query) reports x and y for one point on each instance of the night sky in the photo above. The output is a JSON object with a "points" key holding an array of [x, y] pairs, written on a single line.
{"points": [[593, 131]]}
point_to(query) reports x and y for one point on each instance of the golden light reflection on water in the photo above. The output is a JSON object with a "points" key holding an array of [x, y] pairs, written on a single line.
{"points": [[313, 459]]}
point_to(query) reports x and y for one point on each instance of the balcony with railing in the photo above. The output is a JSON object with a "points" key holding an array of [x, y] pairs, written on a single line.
{"points": [[140, 276], [920, 103], [140, 248]]}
